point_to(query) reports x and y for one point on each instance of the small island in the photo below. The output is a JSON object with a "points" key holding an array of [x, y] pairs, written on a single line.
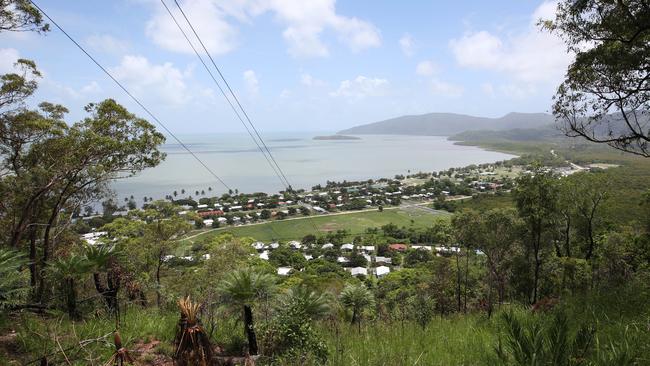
{"points": [[336, 137]]}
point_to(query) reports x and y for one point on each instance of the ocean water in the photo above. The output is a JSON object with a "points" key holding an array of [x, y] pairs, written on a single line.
{"points": [[305, 162]]}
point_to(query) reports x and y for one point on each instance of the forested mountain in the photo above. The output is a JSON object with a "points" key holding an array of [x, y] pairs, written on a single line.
{"points": [[445, 124]]}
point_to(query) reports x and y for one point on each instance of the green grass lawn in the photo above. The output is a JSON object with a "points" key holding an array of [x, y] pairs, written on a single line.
{"points": [[355, 223]]}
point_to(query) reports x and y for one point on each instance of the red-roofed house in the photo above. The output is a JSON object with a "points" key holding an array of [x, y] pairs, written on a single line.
{"points": [[398, 247]]}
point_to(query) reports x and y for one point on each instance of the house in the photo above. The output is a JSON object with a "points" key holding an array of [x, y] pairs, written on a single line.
{"points": [[398, 247], [284, 271], [206, 256], [386, 260], [367, 257], [342, 260], [423, 247], [258, 245], [358, 271], [381, 271], [347, 246], [327, 246], [368, 248], [264, 255], [201, 206], [274, 245], [294, 244], [221, 220], [208, 222], [308, 256]]}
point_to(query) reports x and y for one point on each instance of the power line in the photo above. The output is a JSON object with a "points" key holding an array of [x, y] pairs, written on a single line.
{"points": [[130, 95], [281, 175], [232, 93], [224, 94]]}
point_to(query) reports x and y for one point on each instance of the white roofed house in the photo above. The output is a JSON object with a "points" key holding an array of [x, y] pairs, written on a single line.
{"points": [[294, 244], [274, 245], [327, 246], [347, 247], [258, 245], [342, 260], [284, 271], [264, 255], [386, 260], [368, 248], [381, 271], [358, 271]]}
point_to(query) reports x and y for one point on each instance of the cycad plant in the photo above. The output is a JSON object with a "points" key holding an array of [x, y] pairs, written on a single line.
{"points": [[242, 288], [538, 343], [357, 298], [101, 257], [193, 346], [313, 304], [14, 285], [69, 271]]}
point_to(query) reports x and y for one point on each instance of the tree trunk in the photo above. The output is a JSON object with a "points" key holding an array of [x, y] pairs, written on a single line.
{"points": [[158, 295], [32, 261], [250, 330], [458, 299], [567, 237], [466, 280]]}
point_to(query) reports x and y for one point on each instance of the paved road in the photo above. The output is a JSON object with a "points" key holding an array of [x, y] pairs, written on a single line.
{"points": [[417, 206]]}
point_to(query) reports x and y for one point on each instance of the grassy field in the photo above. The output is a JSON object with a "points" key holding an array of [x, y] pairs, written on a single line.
{"points": [[355, 223]]}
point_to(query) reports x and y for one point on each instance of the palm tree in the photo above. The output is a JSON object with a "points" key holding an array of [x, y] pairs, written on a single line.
{"points": [[183, 191], [175, 193], [357, 298], [242, 288]]}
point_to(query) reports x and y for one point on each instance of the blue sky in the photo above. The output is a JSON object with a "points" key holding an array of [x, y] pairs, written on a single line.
{"points": [[300, 65]]}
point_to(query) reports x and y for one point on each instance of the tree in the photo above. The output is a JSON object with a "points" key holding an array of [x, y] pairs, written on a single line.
{"points": [[591, 191], [466, 231], [416, 257], [605, 97], [242, 288], [498, 236], [357, 298], [21, 16], [50, 169], [536, 199]]}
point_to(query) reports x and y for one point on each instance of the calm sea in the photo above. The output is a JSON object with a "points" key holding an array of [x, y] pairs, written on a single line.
{"points": [[305, 162]]}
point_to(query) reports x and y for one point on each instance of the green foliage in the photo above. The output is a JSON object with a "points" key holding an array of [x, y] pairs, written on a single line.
{"points": [[14, 279]]}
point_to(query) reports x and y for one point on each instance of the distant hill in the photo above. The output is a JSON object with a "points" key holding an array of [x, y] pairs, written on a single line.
{"points": [[447, 124], [547, 132]]}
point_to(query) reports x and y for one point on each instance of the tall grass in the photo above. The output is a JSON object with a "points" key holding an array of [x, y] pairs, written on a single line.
{"points": [[461, 340]]}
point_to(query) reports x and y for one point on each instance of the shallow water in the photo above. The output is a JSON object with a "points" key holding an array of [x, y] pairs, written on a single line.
{"points": [[305, 162]]}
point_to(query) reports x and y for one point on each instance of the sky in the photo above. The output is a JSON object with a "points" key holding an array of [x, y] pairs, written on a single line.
{"points": [[298, 65]]}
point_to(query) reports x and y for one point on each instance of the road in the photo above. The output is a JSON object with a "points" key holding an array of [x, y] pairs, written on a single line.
{"points": [[417, 206]]}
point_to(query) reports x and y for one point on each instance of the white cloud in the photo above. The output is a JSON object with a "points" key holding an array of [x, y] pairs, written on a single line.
{"points": [[308, 80], [406, 43], [107, 43], [426, 68], [8, 56], [252, 84], [91, 88], [531, 57], [144, 78], [445, 89], [207, 17], [361, 87], [304, 22]]}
